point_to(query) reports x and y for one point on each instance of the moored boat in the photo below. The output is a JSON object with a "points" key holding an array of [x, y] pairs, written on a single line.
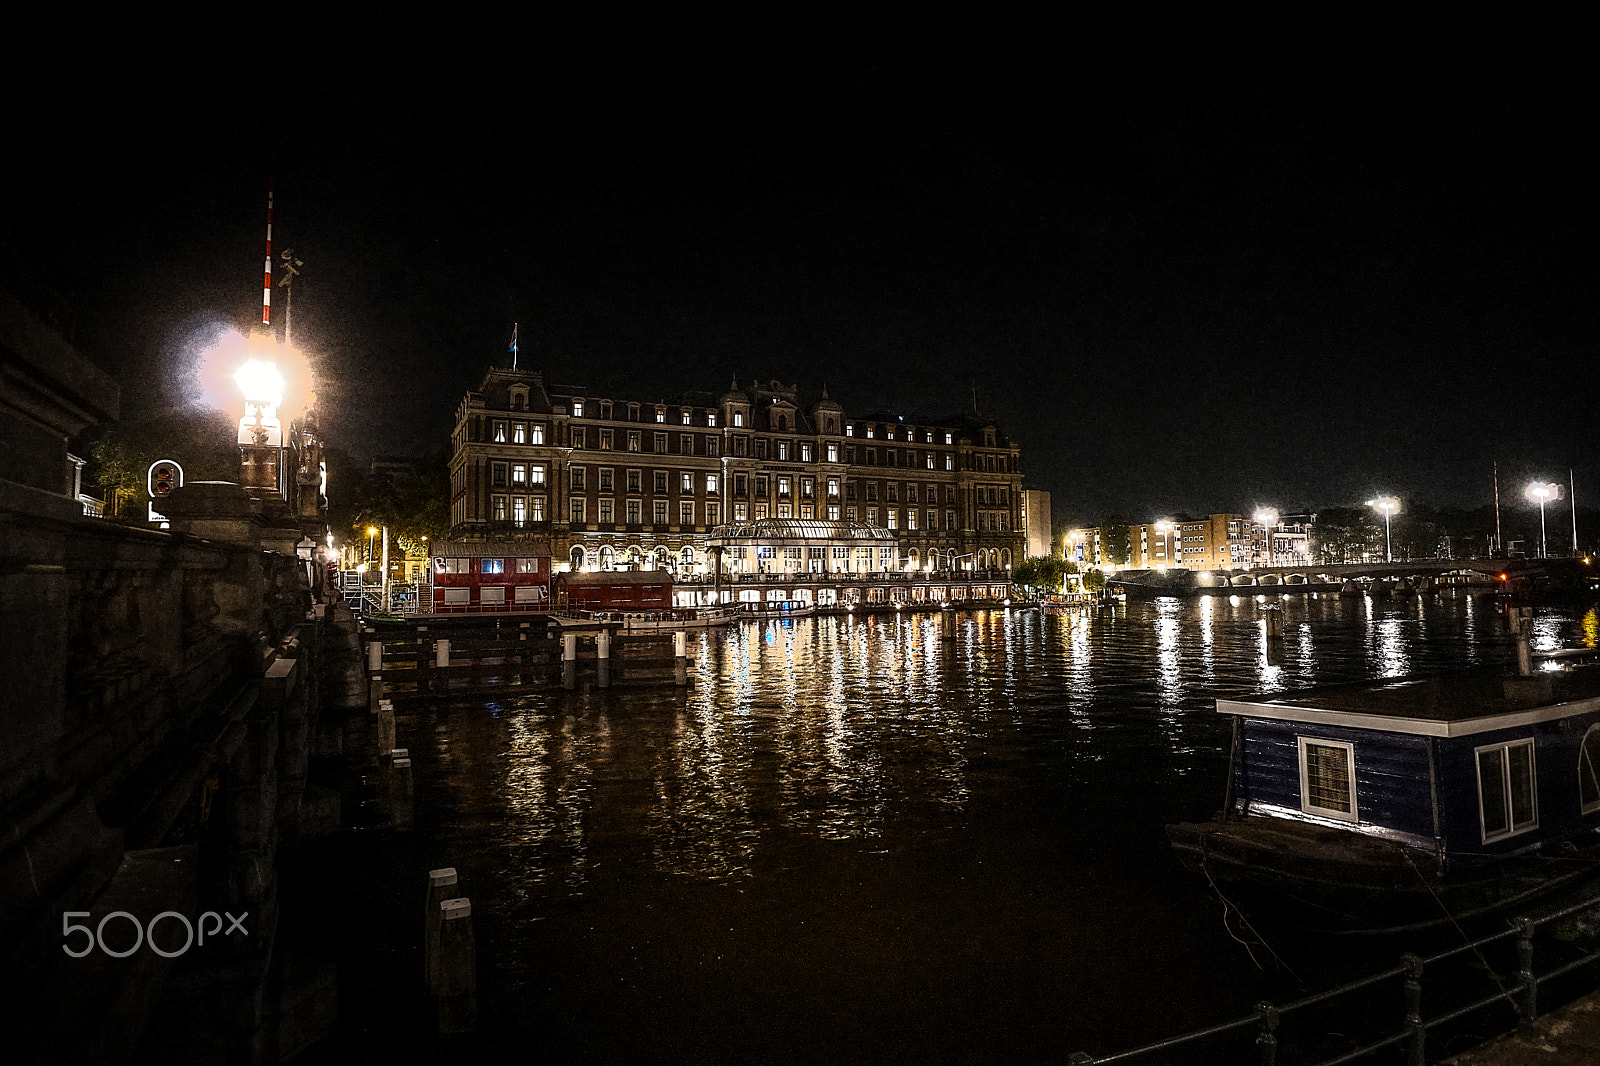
{"points": [[776, 609], [1407, 802], [664, 621]]}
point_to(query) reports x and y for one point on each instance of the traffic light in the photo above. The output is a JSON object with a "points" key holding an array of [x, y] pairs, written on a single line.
{"points": [[165, 477]]}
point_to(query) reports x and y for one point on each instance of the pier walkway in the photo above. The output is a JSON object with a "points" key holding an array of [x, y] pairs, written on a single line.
{"points": [[1569, 1036]]}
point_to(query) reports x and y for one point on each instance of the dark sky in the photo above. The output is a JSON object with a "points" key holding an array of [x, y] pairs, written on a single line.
{"points": [[1192, 263]]}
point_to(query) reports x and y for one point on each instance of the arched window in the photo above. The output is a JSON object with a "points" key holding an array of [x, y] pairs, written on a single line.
{"points": [[607, 557], [686, 558], [577, 558], [660, 559], [1589, 771]]}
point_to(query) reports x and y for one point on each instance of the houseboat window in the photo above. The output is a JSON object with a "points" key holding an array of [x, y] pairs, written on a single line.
{"points": [[1589, 770], [1506, 795], [527, 566], [493, 566], [451, 566], [1327, 778]]}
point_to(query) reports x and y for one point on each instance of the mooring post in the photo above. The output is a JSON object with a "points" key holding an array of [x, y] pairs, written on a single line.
{"points": [[680, 658], [441, 886], [569, 661], [375, 692], [374, 656], [400, 795], [1274, 616], [386, 737], [947, 625], [602, 646], [458, 968]]}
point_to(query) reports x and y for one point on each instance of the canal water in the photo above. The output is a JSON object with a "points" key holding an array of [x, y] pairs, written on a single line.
{"points": [[854, 840]]}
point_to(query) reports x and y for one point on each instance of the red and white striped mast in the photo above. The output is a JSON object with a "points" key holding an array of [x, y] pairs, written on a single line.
{"points": [[266, 285]]}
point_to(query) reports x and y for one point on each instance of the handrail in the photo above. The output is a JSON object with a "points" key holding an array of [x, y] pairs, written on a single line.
{"points": [[1522, 997]]}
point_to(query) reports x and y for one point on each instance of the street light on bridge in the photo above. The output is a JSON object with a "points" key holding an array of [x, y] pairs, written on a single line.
{"points": [[1388, 506], [1542, 491]]}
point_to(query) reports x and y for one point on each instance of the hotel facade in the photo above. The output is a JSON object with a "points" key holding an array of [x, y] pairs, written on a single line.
{"points": [[601, 482]]}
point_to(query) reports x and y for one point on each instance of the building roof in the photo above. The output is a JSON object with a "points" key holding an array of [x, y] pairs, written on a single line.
{"points": [[615, 577], [801, 529]]}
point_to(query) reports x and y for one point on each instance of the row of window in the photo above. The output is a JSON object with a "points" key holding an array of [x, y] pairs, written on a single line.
{"points": [[486, 565], [503, 474], [781, 420], [1507, 782], [524, 510]]}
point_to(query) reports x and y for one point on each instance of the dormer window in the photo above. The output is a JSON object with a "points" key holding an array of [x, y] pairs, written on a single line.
{"points": [[849, 429], [661, 414], [738, 418], [711, 419], [605, 409], [870, 433], [577, 408]]}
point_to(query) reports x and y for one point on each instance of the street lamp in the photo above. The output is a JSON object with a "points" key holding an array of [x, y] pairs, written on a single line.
{"points": [[1542, 491], [1268, 516], [372, 531], [1388, 506]]}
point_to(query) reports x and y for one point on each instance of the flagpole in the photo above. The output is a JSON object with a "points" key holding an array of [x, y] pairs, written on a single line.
{"points": [[513, 346]]}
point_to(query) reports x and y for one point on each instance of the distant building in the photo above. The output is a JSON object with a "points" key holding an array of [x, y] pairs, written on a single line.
{"points": [[1039, 536], [611, 480], [1217, 542]]}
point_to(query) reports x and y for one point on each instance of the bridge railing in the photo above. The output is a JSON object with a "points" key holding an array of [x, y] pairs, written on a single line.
{"points": [[1274, 1026]]}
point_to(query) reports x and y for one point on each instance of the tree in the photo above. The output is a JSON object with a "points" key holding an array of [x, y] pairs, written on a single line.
{"points": [[1347, 535], [1115, 544], [1041, 575], [1094, 580], [202, 442]]}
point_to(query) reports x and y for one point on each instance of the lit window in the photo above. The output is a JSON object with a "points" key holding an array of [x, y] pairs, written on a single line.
{"points": [[661, 414], [833, 452], [526, 565], [686, 416], [519, 433], [711, 419], [538, 508], [538, 433], [519, 510], [711, 483], [577, 408], [1507, 799], [493, 566], [536, 474], [711, 447], [519, 474], [1327, 778], [499, 432], [738, 418], [499, 508]]}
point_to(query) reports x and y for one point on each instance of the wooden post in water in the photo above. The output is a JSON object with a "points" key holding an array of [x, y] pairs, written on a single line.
{"points": [[441, 886], [602, 646], [458, 968], [569, 660], [400, 795], [680, 658]]}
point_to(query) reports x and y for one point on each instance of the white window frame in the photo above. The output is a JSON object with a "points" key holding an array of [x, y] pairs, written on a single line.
{"points": [[1513, 828], [1354, 813]]}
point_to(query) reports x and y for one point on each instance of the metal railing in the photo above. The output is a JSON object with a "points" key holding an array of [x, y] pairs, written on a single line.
{"points": [[1269, 1020]]}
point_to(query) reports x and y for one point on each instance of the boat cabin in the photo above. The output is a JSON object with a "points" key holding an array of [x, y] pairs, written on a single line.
{"points": [[613, 590], [489, 576], [1470, 767]]}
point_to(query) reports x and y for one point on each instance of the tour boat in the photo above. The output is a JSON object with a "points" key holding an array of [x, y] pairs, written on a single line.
{"points": [[1403, 803]]}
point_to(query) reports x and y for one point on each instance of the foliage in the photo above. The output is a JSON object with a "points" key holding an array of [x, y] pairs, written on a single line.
{"points": [[415, 505], [203, 443], [1094, 580], [1042, 575], [1116, 547]]}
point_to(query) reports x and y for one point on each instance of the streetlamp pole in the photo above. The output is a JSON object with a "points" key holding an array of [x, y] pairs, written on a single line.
{"points": [[1388, 506], [1542, 491]]}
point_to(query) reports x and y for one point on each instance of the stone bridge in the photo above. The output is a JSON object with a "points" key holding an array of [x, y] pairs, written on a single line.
{"points": [[165, 700], [1518, 574]]}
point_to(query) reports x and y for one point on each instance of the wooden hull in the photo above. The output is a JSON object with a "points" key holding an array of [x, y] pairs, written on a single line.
{"points": [[1332, 880]]}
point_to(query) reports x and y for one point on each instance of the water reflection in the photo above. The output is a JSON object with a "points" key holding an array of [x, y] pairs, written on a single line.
{"points": [[882, 728]]}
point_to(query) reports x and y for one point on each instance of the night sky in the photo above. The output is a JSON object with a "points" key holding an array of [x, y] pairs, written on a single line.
{"points": [[1194, 263]]}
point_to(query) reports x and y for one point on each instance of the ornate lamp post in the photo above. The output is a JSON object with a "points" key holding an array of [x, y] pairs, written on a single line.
{"points": [[1388, 506], [260, 431]]}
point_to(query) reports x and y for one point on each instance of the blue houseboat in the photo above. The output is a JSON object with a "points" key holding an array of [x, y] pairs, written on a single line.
{"points": [[1388, 805]]}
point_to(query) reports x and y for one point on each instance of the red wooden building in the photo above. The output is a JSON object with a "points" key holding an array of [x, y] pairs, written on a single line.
{"points": [[489, 576], [614, 590]]}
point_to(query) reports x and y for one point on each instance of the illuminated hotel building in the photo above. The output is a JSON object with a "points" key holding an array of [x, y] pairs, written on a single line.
{"points": [[602, 481]]}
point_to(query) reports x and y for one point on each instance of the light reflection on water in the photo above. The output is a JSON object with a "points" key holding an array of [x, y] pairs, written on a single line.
{"points": [[871, 779], [856, 728]]}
